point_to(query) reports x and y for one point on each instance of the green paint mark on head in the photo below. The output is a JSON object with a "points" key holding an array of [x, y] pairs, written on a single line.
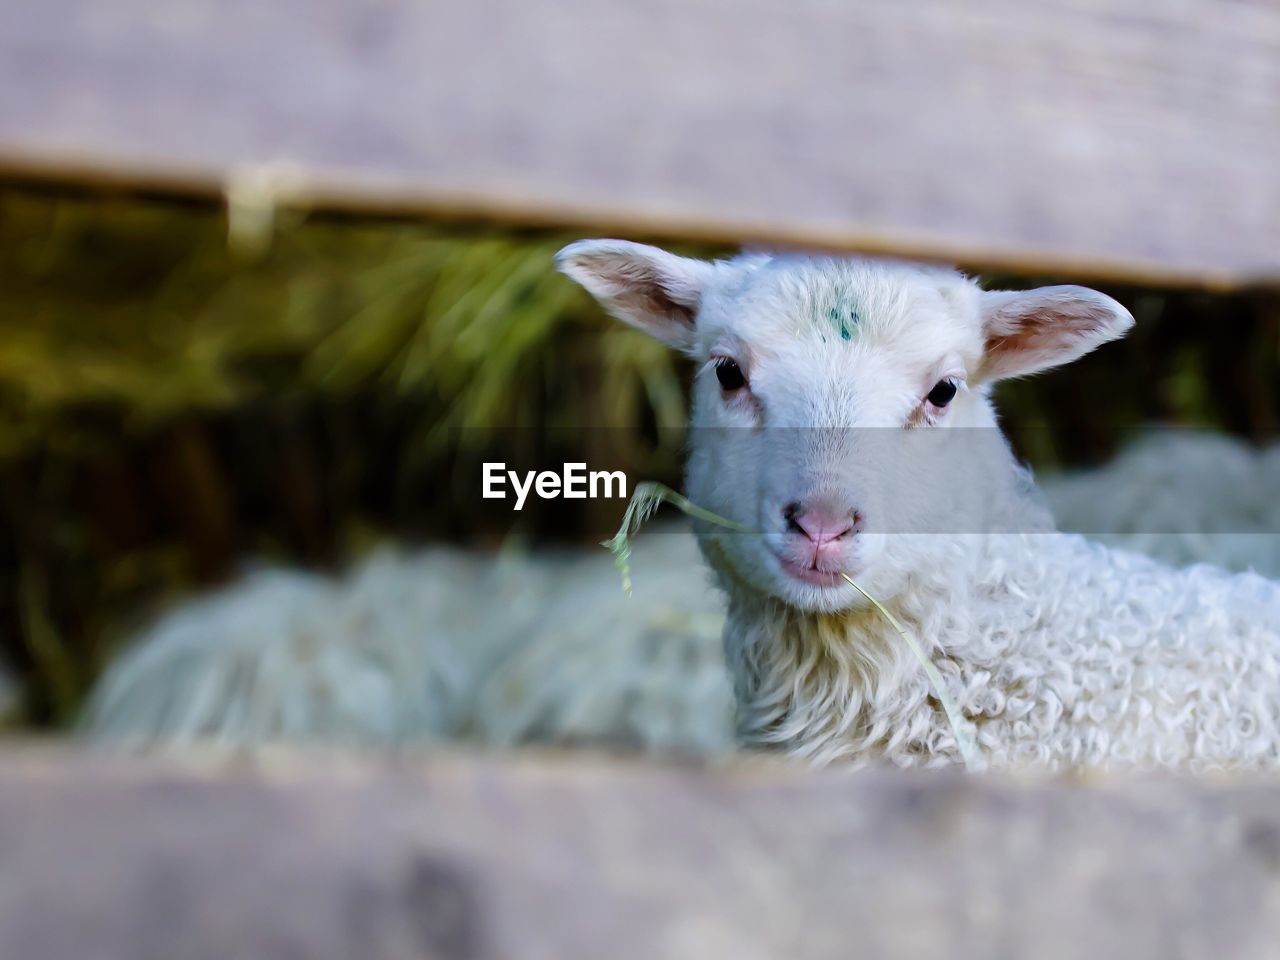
{"points": [[843, 319]]}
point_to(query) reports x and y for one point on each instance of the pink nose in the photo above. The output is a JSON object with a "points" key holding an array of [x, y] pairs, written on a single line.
{"points": [[821, 522]]}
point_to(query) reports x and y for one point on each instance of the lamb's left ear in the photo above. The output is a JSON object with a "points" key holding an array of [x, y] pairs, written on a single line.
{"points": [[1031, 330], [644, 286]]}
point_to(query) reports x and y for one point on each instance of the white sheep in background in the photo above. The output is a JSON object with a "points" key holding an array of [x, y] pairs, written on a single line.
{"points": [[287, 655], [828, 410], [413, 647], [1183, 497]]}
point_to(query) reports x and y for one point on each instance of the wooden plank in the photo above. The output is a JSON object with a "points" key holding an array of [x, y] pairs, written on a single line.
{"points": [[319, 858], [1126, 138]]}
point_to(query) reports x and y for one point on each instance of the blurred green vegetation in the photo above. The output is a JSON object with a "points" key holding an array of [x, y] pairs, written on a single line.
{"points": [[171, 403], [145, 309]]}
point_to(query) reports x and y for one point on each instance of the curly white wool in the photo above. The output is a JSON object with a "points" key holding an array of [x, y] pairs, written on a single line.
{"points": [[1120, 646], [1063, 652]]}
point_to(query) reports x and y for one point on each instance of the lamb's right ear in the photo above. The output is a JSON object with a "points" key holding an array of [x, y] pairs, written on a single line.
{"points": [[1028, 331], [641, 285]]}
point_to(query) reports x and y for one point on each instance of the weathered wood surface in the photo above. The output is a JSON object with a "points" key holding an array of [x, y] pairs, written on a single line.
{"points": [[1127, 138], [464, 858]]}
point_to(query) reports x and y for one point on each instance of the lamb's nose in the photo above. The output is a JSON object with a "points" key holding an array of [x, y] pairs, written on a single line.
{"points": [[820, 521]]}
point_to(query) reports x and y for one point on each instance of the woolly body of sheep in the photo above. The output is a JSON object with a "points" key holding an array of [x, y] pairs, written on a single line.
{"points": [[1062, 652], [440, 643]]}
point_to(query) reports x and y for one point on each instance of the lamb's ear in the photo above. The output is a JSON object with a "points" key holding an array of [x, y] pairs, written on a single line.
{"points": [[642, 285], [1031, 330]]}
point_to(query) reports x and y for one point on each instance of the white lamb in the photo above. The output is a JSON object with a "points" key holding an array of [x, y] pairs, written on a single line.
{"points": [[827, 419]]}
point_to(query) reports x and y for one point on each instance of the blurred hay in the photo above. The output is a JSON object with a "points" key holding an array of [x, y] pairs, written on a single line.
{"points": [[145, 307]]}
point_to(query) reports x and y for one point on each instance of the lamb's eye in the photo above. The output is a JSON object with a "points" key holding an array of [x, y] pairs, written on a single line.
{"points": [[730, 375], [942, 393]]}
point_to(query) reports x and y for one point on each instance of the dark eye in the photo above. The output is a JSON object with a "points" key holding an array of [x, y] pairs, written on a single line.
{"points": [[730, 375], [942, 393]]}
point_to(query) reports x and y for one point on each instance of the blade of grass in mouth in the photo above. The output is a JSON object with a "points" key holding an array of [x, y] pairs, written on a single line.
{"points": [[649, 495]]}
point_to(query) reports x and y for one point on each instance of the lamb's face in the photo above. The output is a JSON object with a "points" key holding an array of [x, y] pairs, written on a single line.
{"points": [[812, 371], [826, 397]]}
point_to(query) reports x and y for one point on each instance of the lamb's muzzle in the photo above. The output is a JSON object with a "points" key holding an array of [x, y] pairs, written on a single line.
{"points": [[820, 541]]}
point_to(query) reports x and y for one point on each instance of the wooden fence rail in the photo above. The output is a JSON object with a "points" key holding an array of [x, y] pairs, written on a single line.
{"points": [[313, 858], [1129, 138]]}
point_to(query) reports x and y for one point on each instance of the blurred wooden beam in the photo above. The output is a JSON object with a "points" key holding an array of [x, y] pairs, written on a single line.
{"points": [[1131, 139], [318, 858]]}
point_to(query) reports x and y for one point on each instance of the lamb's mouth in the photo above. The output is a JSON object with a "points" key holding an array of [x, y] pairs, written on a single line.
{"points": [[807, 573]]}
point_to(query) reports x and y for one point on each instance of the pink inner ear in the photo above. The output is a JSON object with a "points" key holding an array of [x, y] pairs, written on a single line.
{"points": [[1033, 330], [647, 291], [656, 291]]}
